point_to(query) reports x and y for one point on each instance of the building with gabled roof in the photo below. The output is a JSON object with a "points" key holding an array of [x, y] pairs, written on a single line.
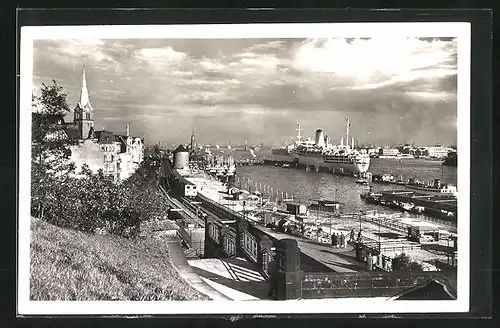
{"points": [[120, 153]]}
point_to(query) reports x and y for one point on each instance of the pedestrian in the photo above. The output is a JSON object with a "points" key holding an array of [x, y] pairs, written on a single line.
{"points": [[334, 240], [352, 235], [345, 242], [342, 240], [360, 237]]}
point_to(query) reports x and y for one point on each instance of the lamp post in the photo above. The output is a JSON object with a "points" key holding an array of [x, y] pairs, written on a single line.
{"points": [[329, 205], [379, 246], [360, 213], [317, 223]]}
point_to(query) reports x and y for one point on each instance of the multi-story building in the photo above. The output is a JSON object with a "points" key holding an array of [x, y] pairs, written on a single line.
{"points": [[120, 154], [389, 152], [438, 152]]}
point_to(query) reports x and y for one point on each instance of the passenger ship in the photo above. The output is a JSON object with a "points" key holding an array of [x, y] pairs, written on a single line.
{"points": [[320, 153]]}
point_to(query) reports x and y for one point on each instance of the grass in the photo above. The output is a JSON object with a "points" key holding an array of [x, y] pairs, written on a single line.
{"points": [[71, 265]]}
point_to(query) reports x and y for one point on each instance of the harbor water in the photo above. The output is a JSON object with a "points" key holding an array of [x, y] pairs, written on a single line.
{"points": [[307, 186]]}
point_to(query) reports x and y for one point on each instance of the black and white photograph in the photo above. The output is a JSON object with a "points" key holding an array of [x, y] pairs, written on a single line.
{"points": [[276, 168]]}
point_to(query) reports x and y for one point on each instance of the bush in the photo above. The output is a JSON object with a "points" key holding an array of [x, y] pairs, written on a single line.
{"points": [[402, 262], [97, 202]]}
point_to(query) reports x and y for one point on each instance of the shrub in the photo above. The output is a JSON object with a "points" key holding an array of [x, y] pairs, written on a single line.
{"points": [[402, 262]]}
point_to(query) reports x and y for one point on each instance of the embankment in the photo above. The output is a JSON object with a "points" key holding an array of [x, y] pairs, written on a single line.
{"points": [[71, 265]]}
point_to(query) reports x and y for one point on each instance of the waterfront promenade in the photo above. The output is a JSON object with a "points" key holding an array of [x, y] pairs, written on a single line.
{"points": [[337, 259]]}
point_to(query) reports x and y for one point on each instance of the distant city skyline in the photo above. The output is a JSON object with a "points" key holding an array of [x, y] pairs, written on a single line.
{"points": [[393, 90]]}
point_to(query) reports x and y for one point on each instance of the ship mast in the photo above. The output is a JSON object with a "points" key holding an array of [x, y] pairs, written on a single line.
{"points": [[299, 136], [347, 132]]}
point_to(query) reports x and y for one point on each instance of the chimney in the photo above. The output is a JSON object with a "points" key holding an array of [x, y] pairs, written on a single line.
{"points": [[128, 130]]}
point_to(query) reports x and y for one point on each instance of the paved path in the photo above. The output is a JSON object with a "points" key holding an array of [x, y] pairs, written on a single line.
{"points": [[337, 259], [188, 273], [234, 277]]}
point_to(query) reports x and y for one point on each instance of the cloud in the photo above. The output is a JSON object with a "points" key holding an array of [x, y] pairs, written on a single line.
{"points": [[247, 87], [160, 56]]}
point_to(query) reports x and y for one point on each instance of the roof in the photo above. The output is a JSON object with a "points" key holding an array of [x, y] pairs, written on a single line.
{"points": [[72, 131], [105, 137], [433, 289], [180, 149], [294, 204]]}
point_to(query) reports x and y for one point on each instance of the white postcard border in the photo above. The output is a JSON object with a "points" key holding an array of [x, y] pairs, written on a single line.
{"points": [[220, 31]]}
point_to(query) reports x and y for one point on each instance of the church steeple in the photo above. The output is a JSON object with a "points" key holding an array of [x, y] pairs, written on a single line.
{"points": [[84, 103], [193, 140], [84, 112]]}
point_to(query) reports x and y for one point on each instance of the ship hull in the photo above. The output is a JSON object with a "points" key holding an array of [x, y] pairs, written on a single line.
{"points": [[318, 161], [434, 191]]}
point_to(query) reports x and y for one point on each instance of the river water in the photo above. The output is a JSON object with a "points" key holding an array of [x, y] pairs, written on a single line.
{"points": [[307, 186]]}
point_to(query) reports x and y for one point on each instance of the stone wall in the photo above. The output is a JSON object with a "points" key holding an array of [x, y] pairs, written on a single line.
{"points": [[366, 284]]}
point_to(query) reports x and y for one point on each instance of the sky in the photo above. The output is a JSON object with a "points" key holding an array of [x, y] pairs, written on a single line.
{"points": [[393, 89]]}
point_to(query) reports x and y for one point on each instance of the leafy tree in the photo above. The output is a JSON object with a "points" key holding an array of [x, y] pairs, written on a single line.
{"points": [[402, 262], [50, 146], [53, 99]]}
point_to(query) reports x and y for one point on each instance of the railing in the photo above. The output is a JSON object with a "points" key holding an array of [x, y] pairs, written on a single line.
{"points": [[390, 245], [184, 235], [350, 281], [393, 224]]}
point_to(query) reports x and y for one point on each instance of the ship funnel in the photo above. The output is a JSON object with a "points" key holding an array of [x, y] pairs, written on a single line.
{"points": [[320, 138]]}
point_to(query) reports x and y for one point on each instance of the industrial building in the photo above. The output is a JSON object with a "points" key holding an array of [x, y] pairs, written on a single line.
{"points": [[181, 157]]}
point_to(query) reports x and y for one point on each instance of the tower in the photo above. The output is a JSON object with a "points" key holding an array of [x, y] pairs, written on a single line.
{"points": [[193, 141], [84, 113]]}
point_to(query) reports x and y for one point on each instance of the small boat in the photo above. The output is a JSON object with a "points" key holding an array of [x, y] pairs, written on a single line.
{"points": [[407, 206]]}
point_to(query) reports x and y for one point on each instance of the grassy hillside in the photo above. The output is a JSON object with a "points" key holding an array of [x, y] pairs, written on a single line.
{"points": [[71, 265]]}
